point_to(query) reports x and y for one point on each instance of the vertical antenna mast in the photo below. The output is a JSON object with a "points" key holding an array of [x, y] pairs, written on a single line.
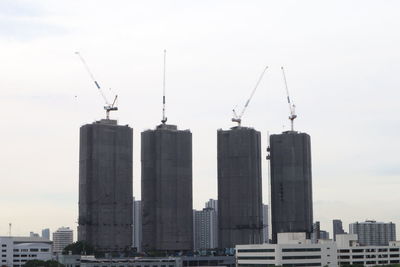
{"points": [[164, 119], [291, 106], [9, 230]]}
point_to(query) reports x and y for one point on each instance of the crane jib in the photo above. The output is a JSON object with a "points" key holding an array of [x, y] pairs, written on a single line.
{"points": [[97, 85]]}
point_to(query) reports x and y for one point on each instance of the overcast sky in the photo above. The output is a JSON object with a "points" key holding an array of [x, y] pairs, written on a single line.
{"points": [[342, 64]]}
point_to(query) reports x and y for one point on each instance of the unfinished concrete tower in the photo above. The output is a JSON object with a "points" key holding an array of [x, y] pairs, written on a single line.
{"points": [[239, 187], [291, 186], [167, 218], [105, 185]]}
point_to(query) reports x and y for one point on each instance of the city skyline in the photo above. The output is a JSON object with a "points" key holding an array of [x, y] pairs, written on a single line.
{"points": [[341, 63]]}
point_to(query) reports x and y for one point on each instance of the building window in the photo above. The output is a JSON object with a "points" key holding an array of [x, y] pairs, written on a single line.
{"points": [[301, 257], [357, 250], [300, 249], [4, 250], [256, 258], [44, 250], [34, 250], [3, 245], [256, 250]]}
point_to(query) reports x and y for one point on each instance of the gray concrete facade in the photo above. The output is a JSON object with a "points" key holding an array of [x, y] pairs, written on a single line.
{"points": [[291, 184], [239, 187], [167, 218], [105, 185]]}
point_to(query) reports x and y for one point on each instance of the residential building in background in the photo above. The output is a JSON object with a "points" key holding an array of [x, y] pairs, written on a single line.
{"points": [[137, 224], [265, 223], [167, 215], [292, 249], [62, 238], [239, 187], [337, 228], [372, 233], [105, 185], [16, 251], [291, 183], [46, 233], [212, 203], [205, 229], [32, 234]]}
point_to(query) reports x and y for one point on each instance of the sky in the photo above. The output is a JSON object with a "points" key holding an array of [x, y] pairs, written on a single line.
{"points": [[341, 60]]}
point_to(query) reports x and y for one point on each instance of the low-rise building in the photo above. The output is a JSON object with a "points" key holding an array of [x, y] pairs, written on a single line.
{"points": [[350, 252], [16, 251], [91, 261], [292, 249]]}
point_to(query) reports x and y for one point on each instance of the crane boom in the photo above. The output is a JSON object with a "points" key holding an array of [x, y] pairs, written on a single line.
{"points": [[291, 106], [108, 107], [237, 118]]}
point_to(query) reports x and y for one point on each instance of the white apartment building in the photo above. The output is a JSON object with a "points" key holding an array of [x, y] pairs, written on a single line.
{"points": [[16, 251], [350, 252], [205, 229], [62, 238], [293, 249]]}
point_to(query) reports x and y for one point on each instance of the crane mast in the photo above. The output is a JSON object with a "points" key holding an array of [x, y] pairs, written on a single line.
{"points": [[164, 118], [291, 106], [238, 118], [108, 107]]}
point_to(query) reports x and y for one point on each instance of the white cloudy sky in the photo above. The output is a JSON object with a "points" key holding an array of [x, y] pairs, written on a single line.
{"points": [[342, 61]]}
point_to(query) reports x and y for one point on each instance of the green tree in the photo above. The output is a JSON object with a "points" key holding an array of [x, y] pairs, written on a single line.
{"points": [[79, 248]]}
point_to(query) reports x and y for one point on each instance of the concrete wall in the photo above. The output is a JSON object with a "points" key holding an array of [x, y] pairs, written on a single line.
{"points": [[291, 185], [239, 187], [105, 185], [167, 218]]}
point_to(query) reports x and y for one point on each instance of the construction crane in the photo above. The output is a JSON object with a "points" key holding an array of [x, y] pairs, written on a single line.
{"points": [[108, 107], [164, 118], [238, 118], [291, 106]]}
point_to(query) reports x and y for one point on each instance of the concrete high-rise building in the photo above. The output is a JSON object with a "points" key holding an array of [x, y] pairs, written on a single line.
{"points": [[212, 203], [372, 233], [265, 223], [105, 185], [205, 228], [33, 234], [46, 233], [137, 224], [239, 187], [337, 228], [291, 184], [62, 238], [167, 216]]}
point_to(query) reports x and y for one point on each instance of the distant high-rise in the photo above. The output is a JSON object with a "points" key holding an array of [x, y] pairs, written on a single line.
{"points": [[265, 223], [372, 233], [212, 203], [291, 185], [205, 228], [137, 224], [46, 233], [239, 187], [105, 185], [167, 216], [337, 228], [62, 238]]}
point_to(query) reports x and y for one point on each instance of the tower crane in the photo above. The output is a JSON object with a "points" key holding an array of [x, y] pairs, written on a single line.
{"points": [[291, 106], [238, 118], [108, 107], [164, 118]]}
